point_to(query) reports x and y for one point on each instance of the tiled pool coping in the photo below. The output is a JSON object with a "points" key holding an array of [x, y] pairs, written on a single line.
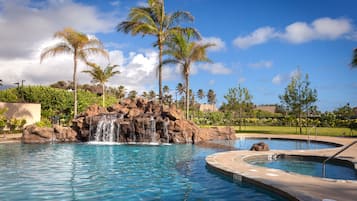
{"points": [[290, 185]]}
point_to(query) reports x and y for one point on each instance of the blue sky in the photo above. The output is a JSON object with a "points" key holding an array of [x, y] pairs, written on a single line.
{"points": [[260, 45]]}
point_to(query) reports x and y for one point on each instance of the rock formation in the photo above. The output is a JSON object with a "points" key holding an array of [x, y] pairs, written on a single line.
{"points": [[260, 146], [130, 121], [34, 134], [141, 120]]}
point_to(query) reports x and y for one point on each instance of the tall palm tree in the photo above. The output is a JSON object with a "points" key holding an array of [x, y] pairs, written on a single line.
{"points": [[354, 59], [200, 94], [152, 20], [183, 50], [80, 46], [101, 76]]}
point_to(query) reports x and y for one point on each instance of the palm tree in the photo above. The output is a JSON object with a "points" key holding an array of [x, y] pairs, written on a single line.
{"points": [[121, 92], [132, 94], [152, 20], [80, 46], [354, 59], [211, 97], [152, 94], [166, 89], [101, 76], [200, 94], [183, 51]]}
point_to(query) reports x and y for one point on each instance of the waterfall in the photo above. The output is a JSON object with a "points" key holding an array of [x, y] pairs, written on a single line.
{"points": [[166, 130], [152, 129], [107, 129]]}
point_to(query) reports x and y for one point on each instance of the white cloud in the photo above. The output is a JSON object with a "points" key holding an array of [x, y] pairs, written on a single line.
{"points": [[211, 82], [219, 43], [299, 32], [241, 80], [296, 74], [114, 3], [281, 78], [259, 36], [277, 79], [25, 24], [261, 64], [215, 68]]}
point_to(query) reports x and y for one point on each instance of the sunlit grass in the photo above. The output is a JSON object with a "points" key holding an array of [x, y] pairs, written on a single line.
{"points": [[324, 131]]}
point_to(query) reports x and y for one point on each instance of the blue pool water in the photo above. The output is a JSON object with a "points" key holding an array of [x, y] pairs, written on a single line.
{"points": [[276, 144], [94, 172], [309, 167]]}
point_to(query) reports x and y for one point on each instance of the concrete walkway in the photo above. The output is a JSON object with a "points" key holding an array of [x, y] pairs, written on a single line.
{"points": [[291, 185]]}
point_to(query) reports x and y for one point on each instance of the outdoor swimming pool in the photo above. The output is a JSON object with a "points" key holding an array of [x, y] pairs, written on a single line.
{"points": [[115, 172], [277, 144], [309, 166]]}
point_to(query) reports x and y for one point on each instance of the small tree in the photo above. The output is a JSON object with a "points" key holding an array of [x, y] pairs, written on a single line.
{"points": [[299, 97], [238, 101]]}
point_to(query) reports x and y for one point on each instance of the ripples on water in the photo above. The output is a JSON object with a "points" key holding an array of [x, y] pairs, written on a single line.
{"points": [[115, 172]]}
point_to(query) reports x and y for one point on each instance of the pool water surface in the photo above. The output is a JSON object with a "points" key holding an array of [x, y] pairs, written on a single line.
{"points": [[309, 166], [115, 172], [277, 144]]}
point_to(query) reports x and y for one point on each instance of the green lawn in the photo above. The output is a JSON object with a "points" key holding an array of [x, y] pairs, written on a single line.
{"points": [[292, 130]]}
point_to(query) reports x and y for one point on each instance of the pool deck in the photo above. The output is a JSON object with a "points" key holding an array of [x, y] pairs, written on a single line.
{"points": [[291, 185]]}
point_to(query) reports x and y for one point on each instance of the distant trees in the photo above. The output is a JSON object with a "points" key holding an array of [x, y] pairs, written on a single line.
{"points": [[299, 97], [132, 94], [80, 46]]}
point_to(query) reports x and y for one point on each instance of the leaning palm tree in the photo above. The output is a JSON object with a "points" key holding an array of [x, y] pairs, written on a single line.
{"points": [[354, 59], [152, 20], [80, 46], [183, 50], [101, 76]]}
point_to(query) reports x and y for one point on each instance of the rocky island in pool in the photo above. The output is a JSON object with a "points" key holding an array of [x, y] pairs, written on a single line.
{"points": [[130, 121]]}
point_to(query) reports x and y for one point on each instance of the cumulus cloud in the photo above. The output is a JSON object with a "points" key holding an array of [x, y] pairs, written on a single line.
{"points": [[261, 64], [215, 68], [219, 44], [299, 32], [259, 36], [24, 24]]}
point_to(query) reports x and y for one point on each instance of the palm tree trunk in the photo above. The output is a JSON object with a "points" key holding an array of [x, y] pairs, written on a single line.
{"points": [[160, 70], [103, 95], [75, 84], [187, 97]]}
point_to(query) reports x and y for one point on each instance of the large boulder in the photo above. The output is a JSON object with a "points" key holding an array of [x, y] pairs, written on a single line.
{"points": [[34, 134], [94, 110], [260, 146], [216, 133]]}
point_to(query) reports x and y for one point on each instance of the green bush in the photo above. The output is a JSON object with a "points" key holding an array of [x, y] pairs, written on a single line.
{"points": [[54, 102]]}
